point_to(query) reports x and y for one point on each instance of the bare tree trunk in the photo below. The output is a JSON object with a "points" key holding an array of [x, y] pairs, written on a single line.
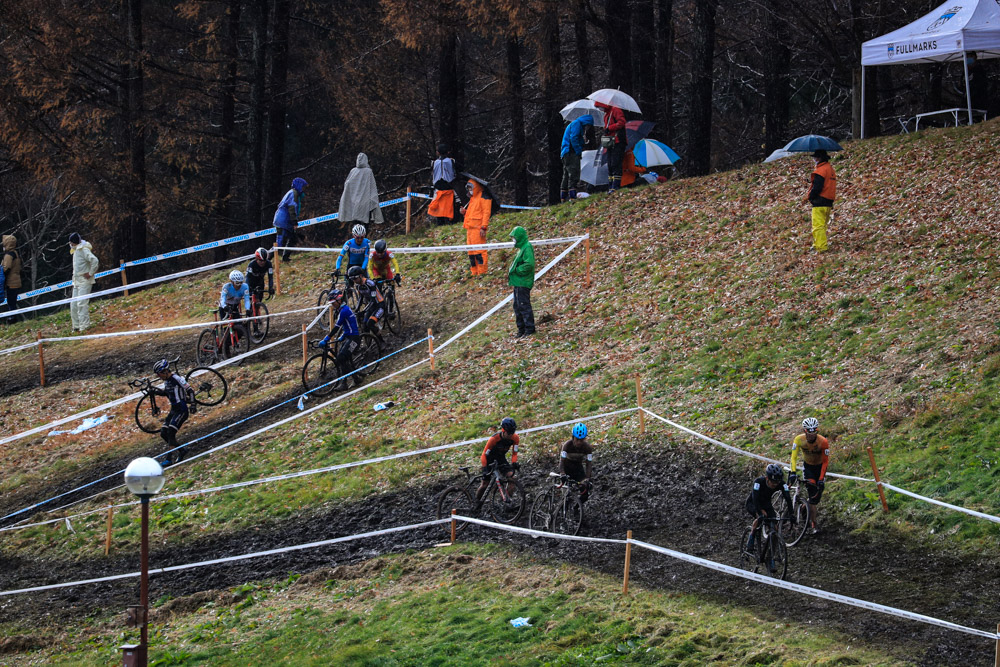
{"points": [[665, 69], [645, 55], [550, 76], [699, 149], [274, 155], [777, 58], [448, 95], [583, 51], [227, 125], [518, 164], [618, 33], [132, 229], [255, 128]]}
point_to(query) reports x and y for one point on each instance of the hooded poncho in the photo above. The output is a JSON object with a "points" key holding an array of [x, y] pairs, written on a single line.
{"points": [[360, 195]]}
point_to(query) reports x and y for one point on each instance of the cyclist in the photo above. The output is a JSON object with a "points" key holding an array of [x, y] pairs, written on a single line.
{"points": [[758, 503], [233, 292], [576, 459], [258, 267], [349, 339], [495, 451], [815, 458], [356, 250], [370, 306], [382, 263], [180, 394]]}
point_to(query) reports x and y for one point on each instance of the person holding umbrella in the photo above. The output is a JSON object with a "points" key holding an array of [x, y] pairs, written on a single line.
{"points": [[477, 214], [822, 193], [614, 128], [573, 142]]}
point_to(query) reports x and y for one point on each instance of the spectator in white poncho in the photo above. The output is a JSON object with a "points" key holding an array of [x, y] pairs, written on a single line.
{"points": [[359, 203]]}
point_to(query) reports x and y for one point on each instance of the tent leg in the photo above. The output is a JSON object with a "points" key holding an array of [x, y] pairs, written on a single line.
{"points": [[862, 101], [968, 93]]}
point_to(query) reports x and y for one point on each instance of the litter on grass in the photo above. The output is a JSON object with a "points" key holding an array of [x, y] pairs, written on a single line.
{"points": [[521, 622], [85, 425]]}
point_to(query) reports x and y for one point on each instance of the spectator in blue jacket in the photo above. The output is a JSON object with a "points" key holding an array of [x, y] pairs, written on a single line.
{"points": [[574, 139], [286, 218]]}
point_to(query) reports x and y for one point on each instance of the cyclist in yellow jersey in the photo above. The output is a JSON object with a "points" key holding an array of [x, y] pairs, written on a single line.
{"points": [[815, 459], [382, 263]]}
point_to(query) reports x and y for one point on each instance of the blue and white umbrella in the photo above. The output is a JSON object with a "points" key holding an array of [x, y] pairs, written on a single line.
{"points": [[812, 142], [652, 153]]}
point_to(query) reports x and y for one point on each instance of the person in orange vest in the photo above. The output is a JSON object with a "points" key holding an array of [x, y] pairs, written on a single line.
{"points": [[822, 193], [631, 171], [477, 219]]}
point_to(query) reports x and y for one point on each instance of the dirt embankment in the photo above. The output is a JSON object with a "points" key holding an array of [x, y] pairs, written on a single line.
{"points": [[673, 498]]}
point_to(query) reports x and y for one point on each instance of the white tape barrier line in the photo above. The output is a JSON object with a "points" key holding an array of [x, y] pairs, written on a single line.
{"points": [[138, 394], [537, 533], [981, 515], [307, 473], [505, 245], [815, 592], [230, 559]]}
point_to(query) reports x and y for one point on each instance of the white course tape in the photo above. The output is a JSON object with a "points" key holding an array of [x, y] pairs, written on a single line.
{"points": [[815, 592], [718, 443], [11, 350], [230, 559], [537, 533], [504, 245], [981, 515], [420, 195], [122, 288]]}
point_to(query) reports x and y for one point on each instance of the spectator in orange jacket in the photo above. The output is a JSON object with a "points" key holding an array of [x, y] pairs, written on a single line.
{"points": [[631, 170], [477, 220], [614, 126], [822, 193]]}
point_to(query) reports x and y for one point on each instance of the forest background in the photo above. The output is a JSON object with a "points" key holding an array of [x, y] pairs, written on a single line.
{"points": [[149, 125]]}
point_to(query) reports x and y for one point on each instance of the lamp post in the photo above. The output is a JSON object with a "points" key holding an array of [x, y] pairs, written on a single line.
{"points": [[144, 478]]}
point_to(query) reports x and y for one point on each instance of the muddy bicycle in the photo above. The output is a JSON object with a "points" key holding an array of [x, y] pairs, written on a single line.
{"points": [[261, 325], [393, 318], [504, 498], [558, 509], [210, 388], [769, 554], [351, 295], [320, 370], [795, 520], [225, 340]]}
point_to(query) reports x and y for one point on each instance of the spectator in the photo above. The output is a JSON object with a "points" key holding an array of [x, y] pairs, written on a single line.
{"points": [[822, 193], [614, 131], [359, 203], [574, 139], [84, 268], [477, 219], [286, 218], [631, 171], [12, 274], [521, 276], [442, 208]]}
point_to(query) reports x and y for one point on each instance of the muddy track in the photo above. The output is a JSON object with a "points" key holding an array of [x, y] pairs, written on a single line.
{"points": [[28, 494], [676, 499]]}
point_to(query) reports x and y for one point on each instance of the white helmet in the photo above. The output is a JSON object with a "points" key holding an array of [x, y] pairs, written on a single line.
{"points": [[358, 230], [810, 424], [236, 276]]}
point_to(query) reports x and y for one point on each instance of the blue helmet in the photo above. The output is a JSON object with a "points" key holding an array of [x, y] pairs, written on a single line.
{"points": [[580, 431], [161, 366]]}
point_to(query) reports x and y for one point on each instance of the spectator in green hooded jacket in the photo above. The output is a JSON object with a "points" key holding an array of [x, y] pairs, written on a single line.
{"points": [[521, 276]]}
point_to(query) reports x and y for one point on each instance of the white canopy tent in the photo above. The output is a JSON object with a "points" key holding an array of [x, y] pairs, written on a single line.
{"points": [[949, 33]]}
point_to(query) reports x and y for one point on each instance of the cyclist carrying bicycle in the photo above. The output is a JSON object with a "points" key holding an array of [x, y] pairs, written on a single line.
{"points": [[382, 263], [180, 394], [758, 503], [356, 250], [370, 307], [232, 293], [576, 459], [495, 451], [815, 459], [349, 339]]}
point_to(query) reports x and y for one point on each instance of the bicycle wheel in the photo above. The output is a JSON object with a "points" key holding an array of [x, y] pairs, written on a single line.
{"points": [[208, 349], [455, 498], [748, 557], [542, 509], [210, 388], [368, 352], [148, 414], [323, 298], [260, 327], [776, 556], [352, 296], [569, 518], [319, 370], [235, 342], [792, 532], [507, 505], [393, 320]]}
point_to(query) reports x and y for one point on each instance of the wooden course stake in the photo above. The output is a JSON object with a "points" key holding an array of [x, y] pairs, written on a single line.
{"points": [[430, 346], [107, 537], [305, 345], [41, 358], [277, 269], [409, 203], [878, 481], [996, 662], [453, 526], [628, 560], [586, 246], [121, 266], [638, 400]]}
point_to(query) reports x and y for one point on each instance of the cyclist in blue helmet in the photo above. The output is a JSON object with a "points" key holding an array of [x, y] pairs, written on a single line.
{"points": [[576, 460]]}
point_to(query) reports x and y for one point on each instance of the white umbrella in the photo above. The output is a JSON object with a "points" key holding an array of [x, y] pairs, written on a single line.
{"points": [[615, 98], [592, 170], [779, 154], [584, 107]]}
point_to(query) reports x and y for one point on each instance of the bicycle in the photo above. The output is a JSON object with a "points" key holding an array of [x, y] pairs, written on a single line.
{"points": [[223, 341], [321, 368], [351, 295], [801, 510], [769, 548], [558, 509], [393, 319], [210, 388], [259, 327], [505, 497]]}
